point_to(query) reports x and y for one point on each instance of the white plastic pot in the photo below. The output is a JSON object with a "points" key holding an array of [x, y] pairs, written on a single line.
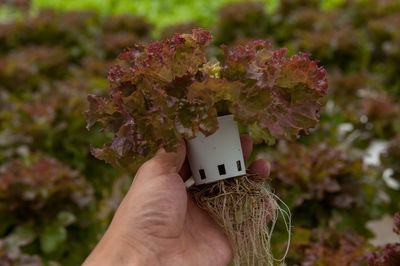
{"points": [[218, 156]]}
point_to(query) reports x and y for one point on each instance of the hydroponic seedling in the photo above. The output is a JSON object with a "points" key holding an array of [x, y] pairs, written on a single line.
{"points": [[167, 91]]}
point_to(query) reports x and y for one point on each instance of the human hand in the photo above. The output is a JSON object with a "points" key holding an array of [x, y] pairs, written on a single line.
{"points": [[158, 223]]}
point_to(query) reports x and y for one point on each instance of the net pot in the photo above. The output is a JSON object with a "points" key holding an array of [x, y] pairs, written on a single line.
{"points": [[218, 156]]}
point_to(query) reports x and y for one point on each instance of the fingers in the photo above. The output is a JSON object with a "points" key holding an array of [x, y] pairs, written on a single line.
{"points": [[172, 159], [185, 171], [261, 168], [164, 162], [247, 146]]}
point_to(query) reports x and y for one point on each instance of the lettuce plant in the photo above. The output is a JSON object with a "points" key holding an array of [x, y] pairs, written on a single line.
{"points": [[286, 7], [251, 22], [27, 68], [327, 246], [167, 91], [119, 32], [324, 184], [74, 28], [36, 186], [43, 203], [375, 114], [386, 54], [388, 254], [20, 4]]}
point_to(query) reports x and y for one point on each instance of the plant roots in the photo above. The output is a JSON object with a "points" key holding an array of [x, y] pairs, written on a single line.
{"points": [[247, 212]]}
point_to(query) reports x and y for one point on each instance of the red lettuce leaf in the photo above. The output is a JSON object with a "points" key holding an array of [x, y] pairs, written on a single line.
{"points": [[387, 256], [36, 187], [323, 174], [166, 91], [280, 97], [151, 105]]}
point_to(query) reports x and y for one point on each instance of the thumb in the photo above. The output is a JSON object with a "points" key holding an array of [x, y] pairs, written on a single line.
{"points": [[164, 162]]}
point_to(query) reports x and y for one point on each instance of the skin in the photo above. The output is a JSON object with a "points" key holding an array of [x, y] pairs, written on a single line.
{"points": [[158, 222]]}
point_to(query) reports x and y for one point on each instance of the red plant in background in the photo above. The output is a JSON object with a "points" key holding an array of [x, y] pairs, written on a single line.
{"points": [[40, 185], [396, 228]]}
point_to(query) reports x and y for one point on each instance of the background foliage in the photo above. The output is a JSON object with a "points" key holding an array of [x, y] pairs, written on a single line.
{"points": [[56, 199]]}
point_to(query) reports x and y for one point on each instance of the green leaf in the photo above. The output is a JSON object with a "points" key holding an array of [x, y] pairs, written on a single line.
{"points": [[301, 234], [52, 237], [66, 218], [22, 235]]}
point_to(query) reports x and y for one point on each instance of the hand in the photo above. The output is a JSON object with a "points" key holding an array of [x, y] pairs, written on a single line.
{"points": [[158, 223]]}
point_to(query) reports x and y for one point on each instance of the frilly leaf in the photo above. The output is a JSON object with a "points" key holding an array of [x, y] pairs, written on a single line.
{"points": [[166, 91], [150, 105], [281, 96]]}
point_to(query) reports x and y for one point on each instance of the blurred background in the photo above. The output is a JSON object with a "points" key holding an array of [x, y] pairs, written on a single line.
{"points": [[342, 181]]}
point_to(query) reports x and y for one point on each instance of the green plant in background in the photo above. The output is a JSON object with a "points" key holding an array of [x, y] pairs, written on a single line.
{"points": [[160, 13]]}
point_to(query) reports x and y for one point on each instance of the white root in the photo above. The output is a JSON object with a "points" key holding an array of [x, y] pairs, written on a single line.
{"points": [[247, 211]]}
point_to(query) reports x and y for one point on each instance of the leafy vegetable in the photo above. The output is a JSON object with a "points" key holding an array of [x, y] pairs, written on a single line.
{"points": [[280, 97], [29, 185], [251, 22], [327, 178], [326, 246], [11, 254], [50, 60], [120, 32], [40, 202], [167, 91], [287, 6], [396, 228], [388, 254], [372, 113], [22, 4]]}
